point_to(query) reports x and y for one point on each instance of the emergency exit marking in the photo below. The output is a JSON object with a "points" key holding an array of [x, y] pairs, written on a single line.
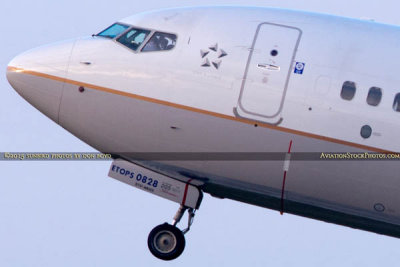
{"points": [[299, 67]]}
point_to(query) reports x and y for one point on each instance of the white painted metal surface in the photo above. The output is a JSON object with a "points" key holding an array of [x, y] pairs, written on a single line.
{"points": [[170, 101]]}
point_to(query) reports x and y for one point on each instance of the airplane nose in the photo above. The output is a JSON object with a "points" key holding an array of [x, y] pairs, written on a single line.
{"points": [[38, 76]]}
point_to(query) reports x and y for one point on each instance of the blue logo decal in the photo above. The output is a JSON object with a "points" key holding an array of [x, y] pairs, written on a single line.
{"points": [[299, 67]]}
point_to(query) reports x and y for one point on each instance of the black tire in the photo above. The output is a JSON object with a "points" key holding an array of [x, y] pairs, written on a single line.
{"points": [[166, 242]]}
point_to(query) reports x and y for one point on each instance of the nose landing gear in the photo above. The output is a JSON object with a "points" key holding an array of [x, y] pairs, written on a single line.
{"points": [[166, 241]]}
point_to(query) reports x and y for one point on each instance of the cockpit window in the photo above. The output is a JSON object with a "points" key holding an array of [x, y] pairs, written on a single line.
{"points": [[160, 41], [113, 31], [133, 38]]}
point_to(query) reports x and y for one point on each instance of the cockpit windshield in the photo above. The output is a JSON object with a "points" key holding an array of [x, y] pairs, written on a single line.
{"points": [[133, 38], [113, 31], [160, 41], [136, 38]]}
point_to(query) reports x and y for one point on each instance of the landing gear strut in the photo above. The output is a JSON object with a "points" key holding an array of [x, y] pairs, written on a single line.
{"points": [[166, 241]]}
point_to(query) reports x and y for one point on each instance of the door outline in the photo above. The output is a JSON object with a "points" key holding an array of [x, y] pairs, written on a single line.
{"points": [[287, 77]]}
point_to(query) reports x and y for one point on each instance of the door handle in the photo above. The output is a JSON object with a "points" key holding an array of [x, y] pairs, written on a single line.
{"points": [[86, 62], [269, 67]]}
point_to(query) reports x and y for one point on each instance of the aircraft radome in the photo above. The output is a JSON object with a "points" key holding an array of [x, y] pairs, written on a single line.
{"points": [[293, 111]]}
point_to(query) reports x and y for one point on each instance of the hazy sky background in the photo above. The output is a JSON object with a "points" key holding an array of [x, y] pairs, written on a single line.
{"points": [[72, 214]]}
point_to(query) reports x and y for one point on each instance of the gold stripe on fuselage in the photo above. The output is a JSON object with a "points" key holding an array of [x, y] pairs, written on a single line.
{"points": [[202, 111]]}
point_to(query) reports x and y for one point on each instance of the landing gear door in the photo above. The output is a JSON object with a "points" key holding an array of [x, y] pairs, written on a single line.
{"points": [[267, 73], [156, 183]]}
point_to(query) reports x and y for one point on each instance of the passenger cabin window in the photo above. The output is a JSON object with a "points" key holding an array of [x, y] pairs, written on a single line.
{"points": [[396, 103], [348, 90], [113, 31], [160, 41], [133, 38], [374, 96]]}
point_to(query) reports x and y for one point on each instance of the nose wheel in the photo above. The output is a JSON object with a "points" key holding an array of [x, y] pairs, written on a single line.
{"points": [[167, 241]]}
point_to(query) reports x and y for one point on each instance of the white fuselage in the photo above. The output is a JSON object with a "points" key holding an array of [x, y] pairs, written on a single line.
{"points": [[274, 79]]}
